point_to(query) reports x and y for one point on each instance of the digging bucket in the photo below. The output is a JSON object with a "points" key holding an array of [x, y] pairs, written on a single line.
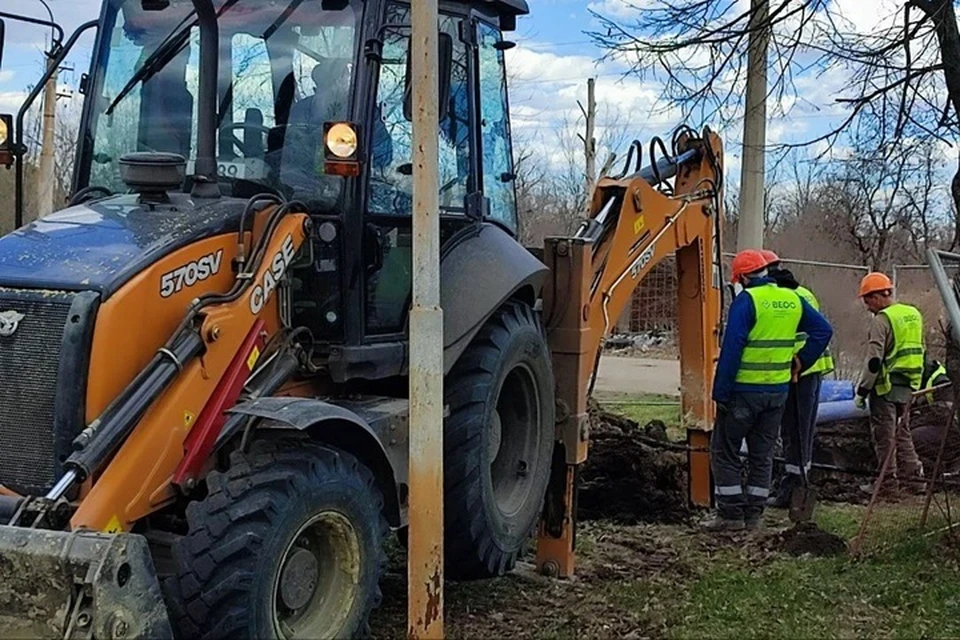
{"points": [[81, 584]]}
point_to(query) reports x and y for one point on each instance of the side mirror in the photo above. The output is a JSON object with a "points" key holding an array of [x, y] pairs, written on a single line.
{"points": [[3, 34], [6, 140], [444, 69]]}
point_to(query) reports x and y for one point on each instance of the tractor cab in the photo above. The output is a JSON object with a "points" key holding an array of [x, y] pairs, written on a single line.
{"points": [[313, 104]]}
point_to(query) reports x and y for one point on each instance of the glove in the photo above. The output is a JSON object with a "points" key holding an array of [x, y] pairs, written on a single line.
{"points": [[860, 402]]}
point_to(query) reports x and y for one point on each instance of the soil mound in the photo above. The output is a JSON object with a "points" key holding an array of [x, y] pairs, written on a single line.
{"points": [[808, 538], [632, 474]]}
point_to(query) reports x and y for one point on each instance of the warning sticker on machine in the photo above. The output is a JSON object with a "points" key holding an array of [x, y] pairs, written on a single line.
{"points": [[254, 356], [113, 526]]}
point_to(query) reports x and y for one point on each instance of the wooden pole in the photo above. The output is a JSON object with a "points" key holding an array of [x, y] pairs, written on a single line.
{"points": [[752, 171], [46, 182]]}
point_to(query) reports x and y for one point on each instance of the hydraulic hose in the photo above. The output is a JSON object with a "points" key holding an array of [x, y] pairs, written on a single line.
{"points": [[103, 437]]}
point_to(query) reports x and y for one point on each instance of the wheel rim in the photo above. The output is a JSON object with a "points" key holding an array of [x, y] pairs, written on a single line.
{"points": [[514, 440], [316, 585]]}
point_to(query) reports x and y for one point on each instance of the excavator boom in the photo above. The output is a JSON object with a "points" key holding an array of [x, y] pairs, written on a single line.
{"points": [[636, 221]]}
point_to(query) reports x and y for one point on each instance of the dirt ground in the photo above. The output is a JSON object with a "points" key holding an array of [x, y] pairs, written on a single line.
{"points": [[645, 569], [596, 603], [632, 474]]}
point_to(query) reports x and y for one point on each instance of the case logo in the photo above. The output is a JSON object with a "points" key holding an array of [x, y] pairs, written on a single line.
{"points": [[271, 277], [10, 322]]}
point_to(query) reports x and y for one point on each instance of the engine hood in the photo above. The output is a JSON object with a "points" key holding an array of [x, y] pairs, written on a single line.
{"points": [[101, 245]]}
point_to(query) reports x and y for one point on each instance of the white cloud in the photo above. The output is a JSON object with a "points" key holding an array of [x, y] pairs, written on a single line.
{"points": [[866, 16], [10, 101], [621, 9]]}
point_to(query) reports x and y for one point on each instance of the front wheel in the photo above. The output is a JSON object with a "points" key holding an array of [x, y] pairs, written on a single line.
{"points": [[288, 544], [498, 443]]}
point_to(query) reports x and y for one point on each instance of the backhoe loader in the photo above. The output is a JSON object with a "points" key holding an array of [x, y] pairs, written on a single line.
{"points": [[203, 356]]}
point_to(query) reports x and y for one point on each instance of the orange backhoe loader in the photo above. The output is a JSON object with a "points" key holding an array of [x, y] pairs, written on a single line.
{"points": [[203, 357]]}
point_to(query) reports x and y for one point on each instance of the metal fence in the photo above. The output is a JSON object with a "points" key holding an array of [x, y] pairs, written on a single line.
{"points": [[652, 314], [651, 318]]}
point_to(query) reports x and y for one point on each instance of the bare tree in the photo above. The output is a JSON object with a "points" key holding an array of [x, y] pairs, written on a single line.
{"points": [[904, 75], [881, 201]]}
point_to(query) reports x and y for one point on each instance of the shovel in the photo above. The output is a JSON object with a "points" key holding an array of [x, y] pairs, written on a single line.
{"points": [[803, 498]]}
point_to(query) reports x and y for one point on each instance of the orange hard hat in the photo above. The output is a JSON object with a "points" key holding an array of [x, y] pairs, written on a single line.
{"points": [[873, 282], [769, 256], [747, 261]]}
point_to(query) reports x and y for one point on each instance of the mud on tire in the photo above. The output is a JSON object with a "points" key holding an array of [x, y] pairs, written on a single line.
{"points": [[287, 543], [498, 443]]}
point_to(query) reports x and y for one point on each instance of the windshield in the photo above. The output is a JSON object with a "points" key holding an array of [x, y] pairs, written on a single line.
{"points": [[285, 69]]}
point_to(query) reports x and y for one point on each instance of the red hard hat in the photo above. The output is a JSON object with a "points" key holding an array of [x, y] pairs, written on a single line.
{"points": [[873, 282], [769, 256], [748, 261]]}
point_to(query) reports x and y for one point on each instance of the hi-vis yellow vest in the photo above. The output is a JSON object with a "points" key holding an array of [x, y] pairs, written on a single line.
{"points": [[906, 357], [768, 356], [824, 363]]}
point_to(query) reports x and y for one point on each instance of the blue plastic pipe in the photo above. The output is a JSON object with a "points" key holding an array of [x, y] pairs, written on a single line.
{"points": [[836, 390], [840, 410]]}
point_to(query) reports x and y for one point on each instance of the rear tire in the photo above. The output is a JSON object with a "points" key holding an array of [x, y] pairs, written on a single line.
{"points": [[288, 543], [498, 444]]}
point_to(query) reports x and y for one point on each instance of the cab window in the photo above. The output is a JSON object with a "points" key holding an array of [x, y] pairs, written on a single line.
{"points": [[391, 171], [495, 143]]}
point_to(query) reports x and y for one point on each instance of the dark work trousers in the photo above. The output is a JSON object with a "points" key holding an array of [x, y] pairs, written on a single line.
{"points": [[754, 417], [799, 430]]}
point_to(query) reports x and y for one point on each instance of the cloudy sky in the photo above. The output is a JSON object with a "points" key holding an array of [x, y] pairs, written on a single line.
{"points": [[548, 71]]}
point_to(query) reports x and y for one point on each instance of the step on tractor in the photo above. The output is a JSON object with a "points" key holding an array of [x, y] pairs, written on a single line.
{"points": [[203, 354]]}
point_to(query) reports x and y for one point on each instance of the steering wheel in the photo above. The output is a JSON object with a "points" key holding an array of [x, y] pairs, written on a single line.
{"points": [[229, 127]]}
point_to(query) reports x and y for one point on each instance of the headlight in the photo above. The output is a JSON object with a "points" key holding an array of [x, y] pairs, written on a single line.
{"points": [[342, 140], [4, 133]]}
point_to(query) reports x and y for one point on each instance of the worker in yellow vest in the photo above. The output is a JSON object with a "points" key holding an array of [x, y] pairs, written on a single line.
{"points": [[757, 361], [797, 431], [892, 372]]}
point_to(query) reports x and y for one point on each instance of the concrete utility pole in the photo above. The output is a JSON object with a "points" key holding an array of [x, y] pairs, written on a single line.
{"points": [[46, 180], [425, 555], [590, 139], [750, 224]]}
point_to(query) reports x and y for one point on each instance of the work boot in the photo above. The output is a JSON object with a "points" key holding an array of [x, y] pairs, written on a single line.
{"points": [[782, 499], [887, 493], [754, 522], [717, 523]]}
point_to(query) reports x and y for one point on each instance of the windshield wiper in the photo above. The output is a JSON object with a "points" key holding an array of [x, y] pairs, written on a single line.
{"points": [[173, 44], [168, 48]]}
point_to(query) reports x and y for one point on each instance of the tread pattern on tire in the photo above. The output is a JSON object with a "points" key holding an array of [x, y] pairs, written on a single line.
{"points": [[470, 550], [218, 560]]}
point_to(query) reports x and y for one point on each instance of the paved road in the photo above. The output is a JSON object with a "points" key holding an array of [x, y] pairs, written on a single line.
{"points": [[639, 375]]}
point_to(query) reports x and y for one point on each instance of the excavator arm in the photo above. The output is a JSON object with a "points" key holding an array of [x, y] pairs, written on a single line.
{"points": [[636, 221]]}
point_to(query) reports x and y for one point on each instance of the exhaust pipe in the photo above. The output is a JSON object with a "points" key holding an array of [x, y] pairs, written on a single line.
{"points": [[205, 169]]}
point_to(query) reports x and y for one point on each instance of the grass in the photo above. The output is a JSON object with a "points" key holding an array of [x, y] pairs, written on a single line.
{"points": [[644, 407], [907, 586], [910, 590]]}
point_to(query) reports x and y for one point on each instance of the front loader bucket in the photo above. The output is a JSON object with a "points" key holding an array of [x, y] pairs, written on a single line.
{"points": [[81, 584]]}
